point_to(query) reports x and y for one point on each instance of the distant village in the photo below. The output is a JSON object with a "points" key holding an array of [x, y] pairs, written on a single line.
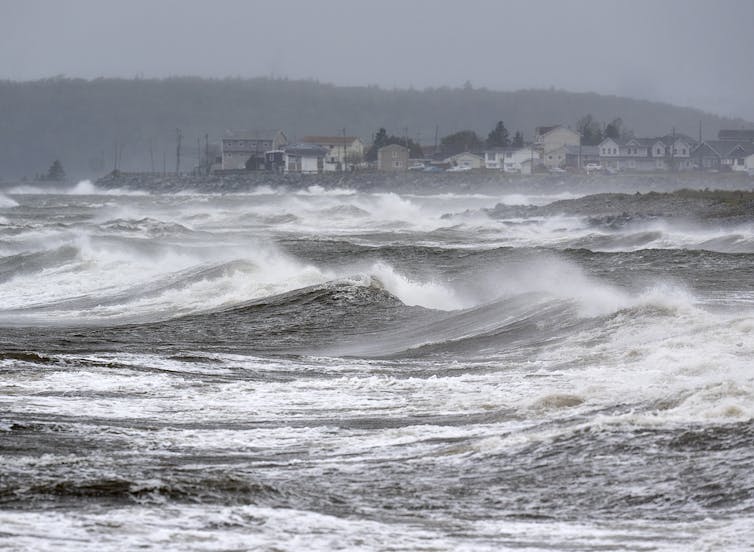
{"points": [[554, 149]]}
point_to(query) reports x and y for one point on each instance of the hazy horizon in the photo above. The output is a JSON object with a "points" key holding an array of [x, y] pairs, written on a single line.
{"points": [[686, 53]]}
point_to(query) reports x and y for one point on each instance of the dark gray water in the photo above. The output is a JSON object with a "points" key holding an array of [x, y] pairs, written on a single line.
{"points": [[343, 370]]}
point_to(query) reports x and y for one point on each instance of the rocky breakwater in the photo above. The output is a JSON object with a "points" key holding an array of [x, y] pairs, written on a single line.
{"points": [[619, 209]]}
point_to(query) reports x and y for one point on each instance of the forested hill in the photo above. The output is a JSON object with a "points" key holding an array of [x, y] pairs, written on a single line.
{"points": [[85, 123]]}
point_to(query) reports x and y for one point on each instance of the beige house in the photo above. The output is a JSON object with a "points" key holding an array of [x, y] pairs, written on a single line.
{"points": [[344, 152], [555, 157], [392, 157], [245, 149], [552, 138]]}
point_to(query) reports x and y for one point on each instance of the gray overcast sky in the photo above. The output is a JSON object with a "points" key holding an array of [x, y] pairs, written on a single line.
{"points": [[687, 52]]}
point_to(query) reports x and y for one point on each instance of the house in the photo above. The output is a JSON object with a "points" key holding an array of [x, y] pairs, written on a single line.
{"points": [[633, 154], [392, 157], [749, 164], [726, 155], [578, 157], [709, 154], [465, 160], [554, 157], [670, 152], [511, 160], [494, 158], [527, 166], [245, 149], [304, 158], [552, 142], [344, 152], [678, 149], [551, 138], [735, 159]]}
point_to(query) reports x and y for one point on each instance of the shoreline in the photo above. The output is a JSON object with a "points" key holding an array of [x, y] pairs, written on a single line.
{"points": [[409, 182], [406, 182]]}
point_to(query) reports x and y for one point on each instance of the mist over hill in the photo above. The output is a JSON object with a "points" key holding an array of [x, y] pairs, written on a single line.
{"points": [[86, 124]]}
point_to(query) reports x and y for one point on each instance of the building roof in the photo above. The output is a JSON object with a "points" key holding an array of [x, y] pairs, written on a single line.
{"points": [[723, 148], [309, 150], [545, 129], [393, 146], [541, 131], [744, 149]]}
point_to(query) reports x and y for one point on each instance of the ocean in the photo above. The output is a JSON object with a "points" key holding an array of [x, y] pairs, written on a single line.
{"points": [[330, 368]]}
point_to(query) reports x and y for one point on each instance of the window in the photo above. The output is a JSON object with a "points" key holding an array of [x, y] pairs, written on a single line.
{"points": [[395, 155]]}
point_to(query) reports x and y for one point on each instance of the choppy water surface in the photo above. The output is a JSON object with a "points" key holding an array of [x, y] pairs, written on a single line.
{"points": [[341, 370]]}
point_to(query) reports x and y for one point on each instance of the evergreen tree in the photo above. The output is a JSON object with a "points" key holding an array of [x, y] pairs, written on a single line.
{"points": [[518, 140], [458, 142], [614, 130], [55, 172], [498, 137], [382, 139], [590, 130]]}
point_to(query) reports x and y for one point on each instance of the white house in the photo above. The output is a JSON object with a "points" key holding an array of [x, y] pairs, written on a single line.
{"points": [[465, 160], [736, 157], [512, 160], [343, 152], [749, 164], [304, 158]]}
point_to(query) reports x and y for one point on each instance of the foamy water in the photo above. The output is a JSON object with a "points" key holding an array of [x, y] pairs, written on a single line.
{"points": [[324, 369]]}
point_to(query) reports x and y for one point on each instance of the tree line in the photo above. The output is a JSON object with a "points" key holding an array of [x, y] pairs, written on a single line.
{"points": [[94, 126]]}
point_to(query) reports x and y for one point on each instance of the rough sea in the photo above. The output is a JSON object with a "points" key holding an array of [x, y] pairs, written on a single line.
{"points": [[330, 369]]}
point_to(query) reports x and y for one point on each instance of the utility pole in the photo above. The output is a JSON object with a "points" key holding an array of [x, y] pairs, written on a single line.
{"points": [[206, 154], [151, 154], [343, 165], [672, 153], [179, 137], [198, 155]]}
